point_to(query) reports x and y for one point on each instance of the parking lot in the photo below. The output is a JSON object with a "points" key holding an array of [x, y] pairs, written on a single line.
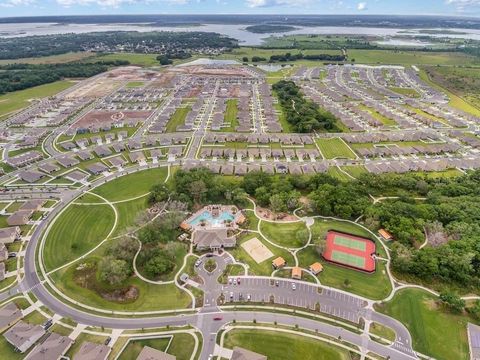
{"points": [[293, 293]]}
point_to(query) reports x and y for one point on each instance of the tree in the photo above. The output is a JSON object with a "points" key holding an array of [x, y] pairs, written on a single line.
{"points": [[245, 59], [453, 301], [113, 271], [158, 265], [276, 203], [198, 189], [164, 60], [123, 248], [158, 193]]}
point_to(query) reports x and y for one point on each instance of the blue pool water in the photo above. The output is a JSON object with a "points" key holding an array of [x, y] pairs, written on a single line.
{"points": [[207, 217]]}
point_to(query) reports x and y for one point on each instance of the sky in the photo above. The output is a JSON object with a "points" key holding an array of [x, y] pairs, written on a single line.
{"points": [[10, 8]]}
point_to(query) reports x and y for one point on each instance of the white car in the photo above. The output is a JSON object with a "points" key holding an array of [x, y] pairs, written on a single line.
{"points": [[294, 286]]}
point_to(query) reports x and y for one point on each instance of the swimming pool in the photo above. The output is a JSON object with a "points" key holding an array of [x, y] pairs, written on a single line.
{"points": [[209, 219]]}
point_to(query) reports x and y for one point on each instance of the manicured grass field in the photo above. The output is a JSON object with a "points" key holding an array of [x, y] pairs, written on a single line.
{"points": [[335, 148], [231, 115], [77, 230], [132, 185], [338, 174], [127, 214], [355, 170], [373, 286], [284, 234], [134, 84], [12, 102], [283, 346], [435, 332], [178, 118], [382, 331]]}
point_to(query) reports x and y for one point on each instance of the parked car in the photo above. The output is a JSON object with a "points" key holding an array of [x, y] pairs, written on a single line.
{"points": [[230, 281], [218, 318], [277, 283], [12, 255], [107, 340], [238, 281], [249, 297], [294, 286], [48, 324], [198, 263]]}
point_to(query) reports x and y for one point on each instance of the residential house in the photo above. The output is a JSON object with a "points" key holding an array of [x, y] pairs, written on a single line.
{"points": [[9, 315], [23, 335], [92, 351]]}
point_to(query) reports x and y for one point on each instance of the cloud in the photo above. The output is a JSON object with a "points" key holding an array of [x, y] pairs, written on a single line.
{"points": [[113, 3], [270, 3], [14, 3], [463, 5], [362, 6]]}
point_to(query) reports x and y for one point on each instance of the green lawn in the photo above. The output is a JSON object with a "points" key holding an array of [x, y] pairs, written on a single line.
{"points": [[435, 332], [335, 148], [231, 115], [128, 213], [373, 286], [284, 234], [284, 346], [133, 185], [135, 84], [8, 351], [77, 230], [355, 170], [382, 331], [338, 174], [14, 101], [178, 118]]}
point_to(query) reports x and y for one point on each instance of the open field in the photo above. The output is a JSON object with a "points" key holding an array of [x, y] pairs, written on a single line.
{"points": [[231, 115], [373, 286], [283, 346], [12, 102], [462, 85], [335, 148], [134, 59], [425, 320], [455, 100], [132, 185], [288, 234], [178, 118], [53, 59], [128, 212], [78, 229]]}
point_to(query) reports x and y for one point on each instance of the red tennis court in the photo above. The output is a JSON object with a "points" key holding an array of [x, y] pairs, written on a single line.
{"points": [[350, 250]]}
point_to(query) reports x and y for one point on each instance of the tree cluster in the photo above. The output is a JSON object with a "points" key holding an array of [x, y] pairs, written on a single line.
{"points": [[303, 114], [316, 57], [162, 42], [15, 77]]}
